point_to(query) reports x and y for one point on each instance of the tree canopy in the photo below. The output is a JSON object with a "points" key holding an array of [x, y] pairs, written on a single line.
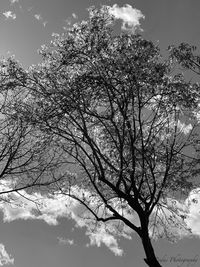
{"points": [[26, 161], [126, 128]]}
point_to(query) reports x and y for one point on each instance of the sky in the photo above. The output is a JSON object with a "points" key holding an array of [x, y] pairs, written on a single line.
{"points": [[58, 236]]}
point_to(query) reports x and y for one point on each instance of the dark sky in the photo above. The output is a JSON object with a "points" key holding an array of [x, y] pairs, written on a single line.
{"points": [[24, 26]]}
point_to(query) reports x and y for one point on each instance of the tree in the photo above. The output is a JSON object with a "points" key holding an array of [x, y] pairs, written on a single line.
{"points": [[185, 56], [26, 162], [126, 127]]}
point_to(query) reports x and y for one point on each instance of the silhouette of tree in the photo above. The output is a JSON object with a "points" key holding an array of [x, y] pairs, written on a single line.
{"points": [[127, 128], [186, 56], [26, 161]]}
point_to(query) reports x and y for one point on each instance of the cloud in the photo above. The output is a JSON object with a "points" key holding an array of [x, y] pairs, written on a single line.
{"points": [[50, 208], [9, 15], [69, 21], [46, 208], [32, 206], [168, 220], [74, 16], [40, 18], [102, 236], [193, 219], [186, 129], [184, 221], [44, 23], [64, 241], [14, 1], [5, 258], [130, 16], [29, 8]]}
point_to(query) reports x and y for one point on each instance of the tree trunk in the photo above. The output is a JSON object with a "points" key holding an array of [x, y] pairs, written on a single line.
{"points": [[151, 259]]}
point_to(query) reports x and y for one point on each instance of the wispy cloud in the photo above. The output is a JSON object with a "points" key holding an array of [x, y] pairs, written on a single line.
{"points": [[14, 1], [9, 15], [64, 241], [30, 8], [69, 21], [130, 17], [74, 16], [40, 18], [5, 258]]}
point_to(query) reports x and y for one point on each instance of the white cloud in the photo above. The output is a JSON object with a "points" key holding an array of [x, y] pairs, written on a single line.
{"points": [[44, 23], [40, 18], [74, 16], [69, 21], [50, 208], [64, 241], [5, 258], [32, 206], [177, 226], [102, 236], [193, 203], [168, 220], [186, 129], [14, 1], [47, 209], [130, 16], [9, 15]]}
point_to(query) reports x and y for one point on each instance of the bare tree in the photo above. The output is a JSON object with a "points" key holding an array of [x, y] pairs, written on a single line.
{"points": [[126, 127]]}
